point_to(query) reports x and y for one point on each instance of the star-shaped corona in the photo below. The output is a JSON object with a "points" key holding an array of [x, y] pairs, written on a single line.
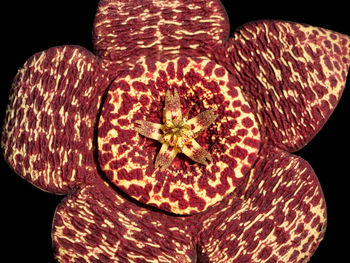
{"points": [[178, 133]]}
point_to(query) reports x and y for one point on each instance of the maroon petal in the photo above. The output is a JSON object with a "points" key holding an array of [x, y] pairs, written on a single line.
{"points": [[48, 131], [278, 215], [293, 75], [97, 225], [126, 30]]}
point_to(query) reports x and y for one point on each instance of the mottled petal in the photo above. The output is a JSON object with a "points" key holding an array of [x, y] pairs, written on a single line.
{"points": [[97, 225], [165, 156], [149, 129], [197, 153], [49, 127], [202, 120], [278, 214], [126, 30], [292, 74], [172, 107]]}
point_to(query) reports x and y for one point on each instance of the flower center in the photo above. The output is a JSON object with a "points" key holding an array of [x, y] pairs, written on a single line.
{"points": [[177, 134]]}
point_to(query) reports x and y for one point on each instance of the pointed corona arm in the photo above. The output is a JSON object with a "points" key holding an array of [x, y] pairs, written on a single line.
{"points": [[172, 108], [202, 121], [149, 129]]}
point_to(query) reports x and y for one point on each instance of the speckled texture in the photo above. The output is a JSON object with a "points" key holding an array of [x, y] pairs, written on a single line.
{"points": [[277, 215], [47, 136], [289, 76], [128, 159], [293, 76]]}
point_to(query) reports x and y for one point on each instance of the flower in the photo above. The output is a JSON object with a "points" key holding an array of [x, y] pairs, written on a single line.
{"points": [[177, 134], [70, 129]]}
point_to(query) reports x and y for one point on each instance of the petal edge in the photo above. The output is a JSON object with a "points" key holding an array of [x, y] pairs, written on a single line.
{"points": [[292, 74], [47, 137]]}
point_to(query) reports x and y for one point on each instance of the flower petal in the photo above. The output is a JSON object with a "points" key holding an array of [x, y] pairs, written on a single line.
{"points": [[48, 131], [279, 214], [127, 30], [172, 107], [165, 156], [202, 120], [197, 153], [149, 129], [97, 225], [293, 75]]}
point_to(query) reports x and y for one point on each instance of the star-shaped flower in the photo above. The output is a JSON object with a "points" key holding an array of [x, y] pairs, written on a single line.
{"points": [[177, 134], [89, 126]]}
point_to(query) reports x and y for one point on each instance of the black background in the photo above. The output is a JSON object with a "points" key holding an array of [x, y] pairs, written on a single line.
{"points": [[32, 26]]}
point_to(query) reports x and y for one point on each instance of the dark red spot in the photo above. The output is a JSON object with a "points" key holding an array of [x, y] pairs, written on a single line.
{"points": [[195, 201], [297, 51], [232, 163], [144, 99], [336, 48], [105, 158], [243, 258], [247, 122], [345, 61], [213, 86], [333, 81], [320, 90], [219, 72], [178, 195], [328, 63], [140, 86], [116, 164], [137, 71], [181, 64], [236, 103], [233, 139], [139, 191], [127, 104], [246, 109], [294, 256], [171, 70], [245, 169], [333, 100], [151, 65], [208, 69], [239, 152], [242, 132], [327, 43], [325, 107], [281, 235], [192, 77], [122, 148], [219, 99], [336, 65], [265, 252], [233, 92], [252, 142]]}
